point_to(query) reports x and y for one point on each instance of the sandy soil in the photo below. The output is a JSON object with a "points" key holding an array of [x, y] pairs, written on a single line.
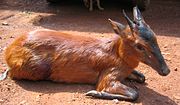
{"points": [[19, 16]]}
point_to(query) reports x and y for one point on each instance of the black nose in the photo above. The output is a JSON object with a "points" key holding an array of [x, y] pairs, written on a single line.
{"points": [[165, 71]]}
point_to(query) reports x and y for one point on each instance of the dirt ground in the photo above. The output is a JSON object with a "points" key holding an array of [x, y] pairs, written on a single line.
{"points": [[71, 16]]}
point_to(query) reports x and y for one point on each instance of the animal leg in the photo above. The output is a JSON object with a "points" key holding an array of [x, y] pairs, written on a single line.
{"points": [[137, 76], [3, 76], [91, 5], [99, 6], [115, 91], [86, 3]]}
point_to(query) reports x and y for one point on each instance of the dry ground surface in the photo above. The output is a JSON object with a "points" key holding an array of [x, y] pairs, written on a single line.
{"points": [[20, 16]]}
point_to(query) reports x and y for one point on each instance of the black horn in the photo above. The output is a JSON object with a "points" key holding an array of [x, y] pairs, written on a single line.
{"points": [[129, 21]]}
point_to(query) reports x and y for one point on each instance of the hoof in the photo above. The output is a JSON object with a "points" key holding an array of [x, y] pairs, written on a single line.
{"points": [[141, 78], [101, 8], [134, 95], [92, 93], [3, 76], [90, 9]]}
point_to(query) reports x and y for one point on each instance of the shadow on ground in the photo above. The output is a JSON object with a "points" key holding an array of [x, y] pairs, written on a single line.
{"points": [[147, 95]]}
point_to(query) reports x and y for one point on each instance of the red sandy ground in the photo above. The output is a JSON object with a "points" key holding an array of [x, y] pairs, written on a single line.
{"points": [[19, 16]]}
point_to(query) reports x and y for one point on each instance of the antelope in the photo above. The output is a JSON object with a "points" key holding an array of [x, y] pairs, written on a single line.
{"points": [[104, 62], [89, 4]]}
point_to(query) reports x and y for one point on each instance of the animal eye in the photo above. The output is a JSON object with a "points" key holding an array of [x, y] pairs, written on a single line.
{"points": [[140, 47]]}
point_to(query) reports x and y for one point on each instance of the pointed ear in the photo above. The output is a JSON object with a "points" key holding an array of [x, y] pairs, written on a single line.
{"points": [[117, 27]]}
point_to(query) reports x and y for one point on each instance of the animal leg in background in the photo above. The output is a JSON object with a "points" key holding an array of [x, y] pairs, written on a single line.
{"points": [[99, 6], [89, 4]]}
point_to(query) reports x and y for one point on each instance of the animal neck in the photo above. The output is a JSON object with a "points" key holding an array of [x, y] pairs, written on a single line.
{"points": [[126, 53]]}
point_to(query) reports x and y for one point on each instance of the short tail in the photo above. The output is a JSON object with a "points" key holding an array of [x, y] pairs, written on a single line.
{"points": [[3, 76]]}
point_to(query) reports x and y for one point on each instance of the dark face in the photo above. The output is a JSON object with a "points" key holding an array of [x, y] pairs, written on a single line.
{"points": [[143, 42], [149, 51]]}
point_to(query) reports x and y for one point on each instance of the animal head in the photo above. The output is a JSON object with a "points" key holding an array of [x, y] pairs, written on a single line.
{"points": [[142, 42]]}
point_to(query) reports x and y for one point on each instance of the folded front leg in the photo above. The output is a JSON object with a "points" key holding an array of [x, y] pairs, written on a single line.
{"points": [[115, 91], [109, 86], [137, 76]]}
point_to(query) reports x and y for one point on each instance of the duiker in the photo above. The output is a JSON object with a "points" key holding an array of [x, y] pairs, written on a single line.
{"points": [[105, 62]]}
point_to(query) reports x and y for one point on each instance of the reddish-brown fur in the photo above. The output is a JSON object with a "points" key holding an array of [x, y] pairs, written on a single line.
{"points": [[47, 54]]}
